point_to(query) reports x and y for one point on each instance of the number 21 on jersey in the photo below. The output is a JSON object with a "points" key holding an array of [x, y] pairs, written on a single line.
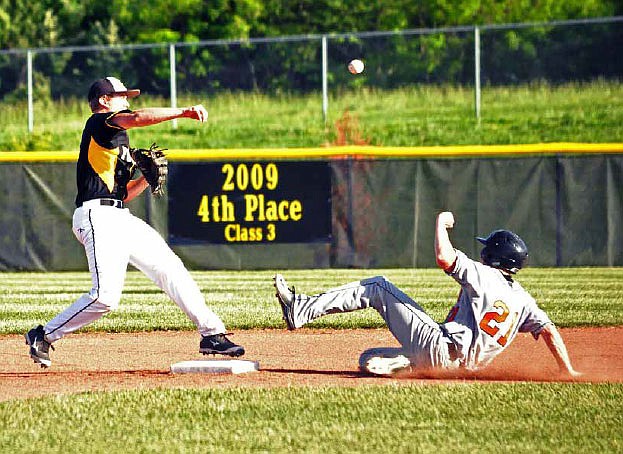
{"points": [[492, 320]]}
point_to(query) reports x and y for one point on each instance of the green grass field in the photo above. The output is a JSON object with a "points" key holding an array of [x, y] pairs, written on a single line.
{"points": [[412, 116], [245, 299], [548, 418], [475, 417], [471, 417]]}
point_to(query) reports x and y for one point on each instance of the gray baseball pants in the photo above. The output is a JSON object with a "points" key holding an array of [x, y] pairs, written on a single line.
{"points": [[421, 338]]}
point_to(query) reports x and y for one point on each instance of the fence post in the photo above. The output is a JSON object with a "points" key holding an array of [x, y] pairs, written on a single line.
{"points": [[31, 119], [172, 80], [325, 96], [477, 70]]}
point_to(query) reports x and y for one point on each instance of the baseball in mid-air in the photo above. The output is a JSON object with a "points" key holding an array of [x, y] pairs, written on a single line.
{"points": [[355, 66]]}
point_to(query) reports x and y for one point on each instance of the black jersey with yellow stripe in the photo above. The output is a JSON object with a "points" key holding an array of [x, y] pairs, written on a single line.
{"points": [[104, 166]]}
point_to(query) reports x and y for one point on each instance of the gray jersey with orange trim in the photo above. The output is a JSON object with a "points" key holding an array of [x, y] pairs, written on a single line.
{"points": [[490, 311]]}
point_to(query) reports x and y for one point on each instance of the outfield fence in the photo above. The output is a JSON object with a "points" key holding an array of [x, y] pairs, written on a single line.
{"points": [[565, 200], [476, 56]]}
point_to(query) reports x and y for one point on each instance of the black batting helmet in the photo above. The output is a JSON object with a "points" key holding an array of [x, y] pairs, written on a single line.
{"points": [[505, 250]]}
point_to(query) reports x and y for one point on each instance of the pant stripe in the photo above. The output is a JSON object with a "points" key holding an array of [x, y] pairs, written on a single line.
{"points": [[97, 275], [97, 287]]}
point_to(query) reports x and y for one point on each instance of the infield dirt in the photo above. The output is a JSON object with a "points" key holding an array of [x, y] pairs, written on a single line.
{"points": [[306, 357]]}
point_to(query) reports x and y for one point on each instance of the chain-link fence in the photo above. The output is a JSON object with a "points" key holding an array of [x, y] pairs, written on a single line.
{"points": [[472, 56]]}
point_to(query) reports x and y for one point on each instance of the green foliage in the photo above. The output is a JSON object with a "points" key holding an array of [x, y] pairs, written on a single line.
{"points": [[41, 92], [278, 67], [411, 418], [189, 20], [27, 24], [31, 142]]}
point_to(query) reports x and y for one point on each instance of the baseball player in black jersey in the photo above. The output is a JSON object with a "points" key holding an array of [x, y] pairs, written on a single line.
{"points": [[491, 309], [112, 237]]}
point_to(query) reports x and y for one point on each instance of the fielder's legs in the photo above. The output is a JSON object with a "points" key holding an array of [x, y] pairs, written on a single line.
{"points": [[108, 258], [98, 230], [152, 255]]}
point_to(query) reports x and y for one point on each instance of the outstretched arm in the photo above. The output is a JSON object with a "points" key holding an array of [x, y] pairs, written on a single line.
{"points": [[444, 251], [154, 115], [556, 345]]}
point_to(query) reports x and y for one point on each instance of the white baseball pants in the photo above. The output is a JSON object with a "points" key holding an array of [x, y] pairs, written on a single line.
{"points": [[113, 237]]}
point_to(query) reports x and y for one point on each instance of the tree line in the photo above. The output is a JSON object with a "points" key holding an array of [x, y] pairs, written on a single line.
{"points": [[53, 23], [441, 58]]}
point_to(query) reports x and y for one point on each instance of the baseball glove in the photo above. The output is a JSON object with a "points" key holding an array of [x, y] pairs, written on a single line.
{"points": [[153, 165]]}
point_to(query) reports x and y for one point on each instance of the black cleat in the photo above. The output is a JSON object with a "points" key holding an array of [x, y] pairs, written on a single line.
{"points": [[39, 346], [286, 297], [218, 344]]}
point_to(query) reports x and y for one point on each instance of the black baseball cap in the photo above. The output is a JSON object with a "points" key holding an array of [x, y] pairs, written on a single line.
{"points": [[111, 86]]}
